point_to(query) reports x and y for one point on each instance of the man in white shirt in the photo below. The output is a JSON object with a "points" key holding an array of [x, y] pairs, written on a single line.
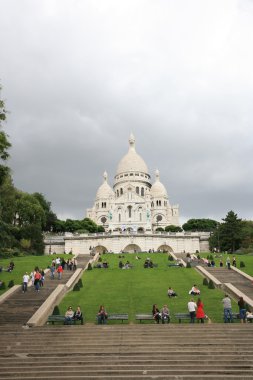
{"points": [[25, 281], [192, 310]]}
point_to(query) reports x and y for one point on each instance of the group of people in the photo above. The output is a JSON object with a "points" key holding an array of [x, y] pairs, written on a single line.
{"points": [[244, 312], [127, 265], [196, 310], [37, 277], [148, 263], [163, 315], [71, 316]]}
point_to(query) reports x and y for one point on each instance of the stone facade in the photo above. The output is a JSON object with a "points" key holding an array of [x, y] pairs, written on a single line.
{"points": [[127, 242], [134, 204]]}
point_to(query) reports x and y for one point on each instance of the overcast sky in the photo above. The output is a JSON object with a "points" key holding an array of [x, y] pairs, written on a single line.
{"points": [[79, 76]]}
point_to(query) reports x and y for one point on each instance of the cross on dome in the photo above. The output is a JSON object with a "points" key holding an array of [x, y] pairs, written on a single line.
{"points": [[105, 176], [132, 141], [157, 175]]}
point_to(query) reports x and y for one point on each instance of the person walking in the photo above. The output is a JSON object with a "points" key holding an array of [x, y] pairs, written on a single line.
{"points": [[26, 278], [228, 316], [228, 262], [59, 270], [192, 310]]}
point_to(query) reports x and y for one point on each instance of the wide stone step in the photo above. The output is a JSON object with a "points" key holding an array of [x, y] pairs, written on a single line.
{"points": [[72, 373]]}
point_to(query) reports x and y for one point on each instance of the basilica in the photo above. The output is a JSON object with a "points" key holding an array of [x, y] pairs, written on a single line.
{"points": [[134, 203]]}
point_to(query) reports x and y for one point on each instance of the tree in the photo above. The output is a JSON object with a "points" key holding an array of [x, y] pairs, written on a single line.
{"points": [[50, 217], [4, 142], [172, 228], [206, 225], [228, 235]]}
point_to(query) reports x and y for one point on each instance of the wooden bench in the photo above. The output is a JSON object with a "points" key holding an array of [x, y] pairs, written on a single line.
{"points": [[61, 318], [116, 317], [181, 316], [144, 317]]}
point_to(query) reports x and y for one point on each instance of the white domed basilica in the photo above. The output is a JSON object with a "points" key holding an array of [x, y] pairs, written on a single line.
{"points": [[134, 203]]}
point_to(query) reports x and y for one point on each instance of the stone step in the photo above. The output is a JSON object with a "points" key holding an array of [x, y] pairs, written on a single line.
{"points": [[72, 373]]}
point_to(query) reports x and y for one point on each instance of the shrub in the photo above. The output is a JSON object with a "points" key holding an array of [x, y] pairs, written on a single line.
{"points": [[11, 284], [56, 310], [211, 285], [170, 258], [205, 281], [208, 257], [80, 282], [242, 265], [99, 259], [211, 257], [89, 266], [198, 257], [188, 265], [3, 286], [76, 288]]}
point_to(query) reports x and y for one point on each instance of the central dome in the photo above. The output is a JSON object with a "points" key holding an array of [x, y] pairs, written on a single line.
{"points": [[132, 162]]}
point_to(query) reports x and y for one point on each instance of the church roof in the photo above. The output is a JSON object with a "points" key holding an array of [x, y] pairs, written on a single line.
{"points": [[132, 161], [158, 190], [105, 190]]}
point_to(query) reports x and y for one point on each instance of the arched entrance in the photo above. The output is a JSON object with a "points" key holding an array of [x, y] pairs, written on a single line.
{"points": [[132, 248], [140, 230], [164, 248], [100, 249]]}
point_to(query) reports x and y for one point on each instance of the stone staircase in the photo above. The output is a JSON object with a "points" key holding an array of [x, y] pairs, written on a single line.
{"points": [[225, 275], [208, 351], [19, 307]]}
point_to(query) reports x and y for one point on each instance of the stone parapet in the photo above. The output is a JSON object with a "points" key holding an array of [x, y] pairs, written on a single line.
{"points": [[39, 318], [9, 293], [216, 282], [237, 293]]}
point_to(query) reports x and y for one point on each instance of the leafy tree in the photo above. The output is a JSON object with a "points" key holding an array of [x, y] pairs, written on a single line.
{"points": [[229, 235], [50, 217], [28, 210], [247, 234], [205, 225], [172, 228], [4, 142]]}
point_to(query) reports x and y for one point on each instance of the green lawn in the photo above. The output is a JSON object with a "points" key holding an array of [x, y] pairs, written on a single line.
{"points": [[135, 290], [22, 265], [247, 259]]}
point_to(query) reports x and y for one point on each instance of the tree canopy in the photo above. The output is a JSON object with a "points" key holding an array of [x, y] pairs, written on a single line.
{"points": [[205, 225], [228, 235]]}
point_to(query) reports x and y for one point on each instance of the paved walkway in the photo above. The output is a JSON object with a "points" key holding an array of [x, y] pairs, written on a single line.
{"points": [[20, 307]]}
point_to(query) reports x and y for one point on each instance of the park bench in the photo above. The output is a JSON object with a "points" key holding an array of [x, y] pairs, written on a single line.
{"points": [[181, 316], [61, 318], [144, 317], [116, 317]]}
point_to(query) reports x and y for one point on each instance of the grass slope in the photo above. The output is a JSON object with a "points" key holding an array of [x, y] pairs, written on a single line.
{"points": [[135, 290]]}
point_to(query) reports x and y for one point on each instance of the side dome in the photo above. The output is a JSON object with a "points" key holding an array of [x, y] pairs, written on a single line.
{"points": [[158, 190], [105, 191], [132, 161]]}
